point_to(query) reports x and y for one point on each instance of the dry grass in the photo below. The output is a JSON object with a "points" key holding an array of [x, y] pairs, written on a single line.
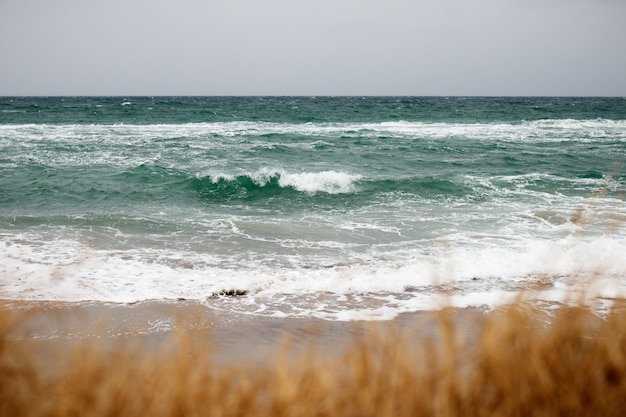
{"points": [[513, 363]]}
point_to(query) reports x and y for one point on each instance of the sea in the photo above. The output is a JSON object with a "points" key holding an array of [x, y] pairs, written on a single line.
{"points": [[339, 208]]}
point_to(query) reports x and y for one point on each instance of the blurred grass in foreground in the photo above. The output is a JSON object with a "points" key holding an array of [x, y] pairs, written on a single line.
{"points": [[514, 361]]}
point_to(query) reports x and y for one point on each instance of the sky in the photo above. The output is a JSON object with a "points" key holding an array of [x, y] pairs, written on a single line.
{"points": [[313, 47]]}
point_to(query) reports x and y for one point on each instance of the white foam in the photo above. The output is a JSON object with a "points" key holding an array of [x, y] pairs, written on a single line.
{"points": [[84, 143], [460, 276], [216, 177], [331, 182], [551, 129]]}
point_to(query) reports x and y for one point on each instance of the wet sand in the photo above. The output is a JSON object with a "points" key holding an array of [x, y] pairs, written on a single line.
{"points": [[53, 329]]}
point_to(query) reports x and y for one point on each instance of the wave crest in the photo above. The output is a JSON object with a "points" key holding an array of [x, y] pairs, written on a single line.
{"points": [[331, 182], [273, 181]]}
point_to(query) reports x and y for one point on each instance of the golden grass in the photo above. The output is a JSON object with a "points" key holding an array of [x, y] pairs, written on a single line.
{"points": [[511, 362]]}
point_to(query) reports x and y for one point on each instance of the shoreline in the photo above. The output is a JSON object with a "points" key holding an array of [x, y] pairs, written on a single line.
{"points": [[51, 327], [51, 332]]}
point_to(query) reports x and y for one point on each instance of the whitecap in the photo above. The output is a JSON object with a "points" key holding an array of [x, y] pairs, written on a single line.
{"points": [[331, 182]]}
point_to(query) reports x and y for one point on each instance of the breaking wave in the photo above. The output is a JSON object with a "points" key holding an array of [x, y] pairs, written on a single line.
{"points": [[330, 182]]}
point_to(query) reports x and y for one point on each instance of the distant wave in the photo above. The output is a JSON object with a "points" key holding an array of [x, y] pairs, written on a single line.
{"points": [[525, 130], [267, 181]]}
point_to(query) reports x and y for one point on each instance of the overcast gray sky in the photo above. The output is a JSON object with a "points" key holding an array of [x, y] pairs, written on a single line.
{"points": [[313, 47]]}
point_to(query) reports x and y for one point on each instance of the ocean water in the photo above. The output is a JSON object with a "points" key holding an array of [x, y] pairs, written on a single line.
{"points": [[334, 207]]}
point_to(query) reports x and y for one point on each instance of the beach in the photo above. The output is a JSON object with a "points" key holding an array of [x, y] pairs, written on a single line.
{"points": [[55, 328], [163, 357]]}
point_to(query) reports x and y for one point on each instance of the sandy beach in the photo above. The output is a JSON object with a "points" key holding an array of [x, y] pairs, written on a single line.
{"points": [[166, 356], [55, 329]]}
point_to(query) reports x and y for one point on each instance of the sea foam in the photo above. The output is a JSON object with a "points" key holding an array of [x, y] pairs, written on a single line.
{"points": [[379, 288], [330, 182]]}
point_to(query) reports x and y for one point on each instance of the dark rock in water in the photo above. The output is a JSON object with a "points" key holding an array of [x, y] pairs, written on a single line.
{"points": [[230, 293], [545, 281]]}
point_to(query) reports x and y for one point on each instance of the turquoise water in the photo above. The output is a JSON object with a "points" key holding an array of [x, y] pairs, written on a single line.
{"points": [[334, 207]]}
